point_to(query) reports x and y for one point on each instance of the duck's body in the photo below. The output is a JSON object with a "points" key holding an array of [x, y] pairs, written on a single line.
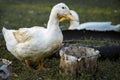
{"points": [[36, 43], [97, 26]]}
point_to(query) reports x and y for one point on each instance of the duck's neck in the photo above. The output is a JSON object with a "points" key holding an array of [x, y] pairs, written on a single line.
{"points": [[74, 24], [54, 33], [53, 23]]}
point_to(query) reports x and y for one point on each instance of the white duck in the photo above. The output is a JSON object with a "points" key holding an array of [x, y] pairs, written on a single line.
{"points": [[36, 43], [97, 26]]}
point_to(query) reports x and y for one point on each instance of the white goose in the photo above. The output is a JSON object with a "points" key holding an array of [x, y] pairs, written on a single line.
{"points": [[36, 43], [97, 26]]}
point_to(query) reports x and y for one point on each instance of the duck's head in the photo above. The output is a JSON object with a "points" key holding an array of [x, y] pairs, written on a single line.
{"points": [[76, 23], [75, 15], [63, 12]]}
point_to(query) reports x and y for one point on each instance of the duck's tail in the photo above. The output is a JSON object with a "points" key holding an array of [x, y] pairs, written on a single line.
{"points": [[9, 38], [117, 28], [3, 30]]}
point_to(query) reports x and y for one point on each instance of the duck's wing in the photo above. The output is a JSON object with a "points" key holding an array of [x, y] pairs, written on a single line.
{"points": [[22, 35], [25, 34]]}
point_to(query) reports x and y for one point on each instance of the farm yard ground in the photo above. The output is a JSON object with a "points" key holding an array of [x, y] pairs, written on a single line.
{"points": [[15, 14]]}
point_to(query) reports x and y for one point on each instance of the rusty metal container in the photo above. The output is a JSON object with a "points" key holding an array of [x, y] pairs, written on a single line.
{"points": [[77, 59]]}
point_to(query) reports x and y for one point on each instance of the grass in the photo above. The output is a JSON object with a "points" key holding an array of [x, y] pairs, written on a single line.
{"points": [[15, 14], [27, 13]]}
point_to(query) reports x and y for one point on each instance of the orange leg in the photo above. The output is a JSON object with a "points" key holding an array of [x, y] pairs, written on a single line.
{"points": [[40, 65], [27, 63]]}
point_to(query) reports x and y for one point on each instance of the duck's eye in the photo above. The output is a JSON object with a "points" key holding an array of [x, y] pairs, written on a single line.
{"points": [[63, 7]]}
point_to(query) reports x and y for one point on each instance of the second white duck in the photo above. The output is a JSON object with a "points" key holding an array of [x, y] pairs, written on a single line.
{"points": [[94, 26]]}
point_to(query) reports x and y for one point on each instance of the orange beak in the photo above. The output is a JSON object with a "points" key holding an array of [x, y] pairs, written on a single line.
{"points": [[67, 17]]}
